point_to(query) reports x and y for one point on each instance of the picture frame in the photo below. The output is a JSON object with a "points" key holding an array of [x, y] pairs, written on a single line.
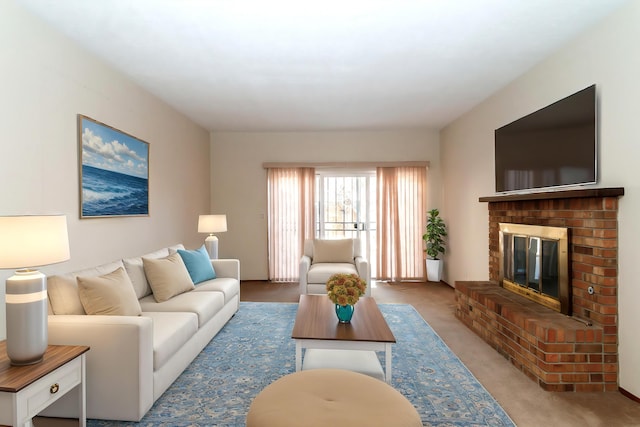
{"points": [[114, 171]]}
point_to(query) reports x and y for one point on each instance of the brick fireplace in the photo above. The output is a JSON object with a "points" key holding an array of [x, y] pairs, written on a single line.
{"points": [[578, 352]]}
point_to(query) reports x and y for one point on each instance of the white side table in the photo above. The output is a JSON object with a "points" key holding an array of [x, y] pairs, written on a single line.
{"points": [[27, 390]]}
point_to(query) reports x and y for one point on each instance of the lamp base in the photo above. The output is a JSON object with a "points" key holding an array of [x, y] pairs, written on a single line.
{"points": [[27, 317], [211, 243], [26, 363]]}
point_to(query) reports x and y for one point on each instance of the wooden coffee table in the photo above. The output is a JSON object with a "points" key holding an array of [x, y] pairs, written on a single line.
{"points": [[341, 345]]}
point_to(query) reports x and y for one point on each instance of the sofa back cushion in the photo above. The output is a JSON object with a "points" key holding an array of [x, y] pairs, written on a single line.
{"points": [[63, 288], [135, 270], [332, 251], [309, 243], [167, 276], [110, 294]]}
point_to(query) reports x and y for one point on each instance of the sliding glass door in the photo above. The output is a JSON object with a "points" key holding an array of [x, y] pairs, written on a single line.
{"points": [[346, 208]]}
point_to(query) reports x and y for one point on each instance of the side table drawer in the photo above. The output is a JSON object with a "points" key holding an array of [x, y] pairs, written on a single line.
{"points": [[50, 388]]}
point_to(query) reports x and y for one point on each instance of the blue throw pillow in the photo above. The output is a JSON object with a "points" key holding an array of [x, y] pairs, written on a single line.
{"points": [[198, 264]]}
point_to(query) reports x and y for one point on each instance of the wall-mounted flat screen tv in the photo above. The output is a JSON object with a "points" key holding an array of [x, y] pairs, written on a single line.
{"points": [[552, 147]]}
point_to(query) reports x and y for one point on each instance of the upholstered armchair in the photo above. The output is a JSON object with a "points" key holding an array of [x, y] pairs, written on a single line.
{"points": [[322, 258]]}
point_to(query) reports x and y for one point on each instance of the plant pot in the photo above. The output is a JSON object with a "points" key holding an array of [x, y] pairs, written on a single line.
{"points": [[434, 269]]}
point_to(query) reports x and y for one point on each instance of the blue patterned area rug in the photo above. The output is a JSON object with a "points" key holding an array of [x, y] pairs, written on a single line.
{"points": [[255, 348]]}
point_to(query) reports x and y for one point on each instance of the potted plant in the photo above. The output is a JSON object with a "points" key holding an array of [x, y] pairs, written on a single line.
{"points": [[434, 239]]}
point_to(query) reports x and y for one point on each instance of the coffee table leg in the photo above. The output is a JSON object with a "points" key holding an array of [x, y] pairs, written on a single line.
{"points": [[298, 356], [388, 363]]}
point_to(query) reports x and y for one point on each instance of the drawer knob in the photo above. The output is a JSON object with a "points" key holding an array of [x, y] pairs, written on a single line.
{"points": [[54, 388]]}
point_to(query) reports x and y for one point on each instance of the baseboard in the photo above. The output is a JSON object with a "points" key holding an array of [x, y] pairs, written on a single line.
{"points": [[625, 393]]}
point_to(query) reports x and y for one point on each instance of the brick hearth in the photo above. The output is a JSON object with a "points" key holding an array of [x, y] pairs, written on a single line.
{"points": [[561, 353]]}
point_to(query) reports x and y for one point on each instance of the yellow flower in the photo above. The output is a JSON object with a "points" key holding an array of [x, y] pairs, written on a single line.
{"points": [[345, 289]]}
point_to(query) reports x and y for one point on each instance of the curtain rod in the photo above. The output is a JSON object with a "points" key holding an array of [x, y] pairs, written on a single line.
{"points": [[318, 165]]}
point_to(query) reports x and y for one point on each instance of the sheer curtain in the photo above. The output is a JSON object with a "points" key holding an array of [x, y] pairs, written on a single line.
{"points": [[291, 194], [401, 210]]}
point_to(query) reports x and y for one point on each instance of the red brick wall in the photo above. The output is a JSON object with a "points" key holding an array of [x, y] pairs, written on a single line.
{"points": [[593, 246], [559, 353], [561, 356]]}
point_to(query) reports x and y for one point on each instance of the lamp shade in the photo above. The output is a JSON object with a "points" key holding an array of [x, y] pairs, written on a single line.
{"points": [[30, 241], [25, 242], [212, 223]]}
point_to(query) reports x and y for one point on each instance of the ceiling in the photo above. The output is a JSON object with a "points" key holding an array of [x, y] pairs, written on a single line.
{"points": [[295, 65]]}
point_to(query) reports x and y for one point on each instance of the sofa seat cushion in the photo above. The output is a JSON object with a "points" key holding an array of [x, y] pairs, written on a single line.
{"points": [[204, 304], [228, 286], [170, 332], [320, 273]]}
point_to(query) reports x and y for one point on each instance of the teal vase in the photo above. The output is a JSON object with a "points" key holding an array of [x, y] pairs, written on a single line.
{"points": [[345, 313]]}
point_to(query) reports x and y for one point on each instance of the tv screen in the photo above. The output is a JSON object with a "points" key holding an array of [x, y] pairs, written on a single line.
{"points": [[554, 146]]}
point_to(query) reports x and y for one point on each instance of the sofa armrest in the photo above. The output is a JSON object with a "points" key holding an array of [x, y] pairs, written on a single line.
{"points": [[120, 358], [364, 271], [227, 268], [305, 264]]}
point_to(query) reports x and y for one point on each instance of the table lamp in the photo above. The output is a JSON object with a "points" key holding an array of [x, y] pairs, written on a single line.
{"points": [[212, 224], [26, 242]]}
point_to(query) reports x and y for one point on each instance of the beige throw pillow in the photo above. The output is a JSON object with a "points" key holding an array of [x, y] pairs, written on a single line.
{"points": [[63, 289], [110, 294], [333, 251], [167, 277]]}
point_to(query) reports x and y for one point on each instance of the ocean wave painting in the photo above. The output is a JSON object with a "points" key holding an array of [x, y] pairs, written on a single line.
{"points": [[111, 193], [115, 171]]}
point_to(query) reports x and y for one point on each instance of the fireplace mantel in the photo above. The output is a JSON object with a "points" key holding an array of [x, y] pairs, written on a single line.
{"points": [[565, 194]]}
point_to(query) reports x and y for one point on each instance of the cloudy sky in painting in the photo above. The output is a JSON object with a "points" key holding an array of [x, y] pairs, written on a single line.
{"points": [[106, 148]]}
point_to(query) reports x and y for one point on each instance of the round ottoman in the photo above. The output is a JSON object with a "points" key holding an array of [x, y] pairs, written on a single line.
{"points": [[331, 397]]}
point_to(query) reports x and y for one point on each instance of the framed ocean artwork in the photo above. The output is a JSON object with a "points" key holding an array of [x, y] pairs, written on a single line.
{"points": [[114, 171]]}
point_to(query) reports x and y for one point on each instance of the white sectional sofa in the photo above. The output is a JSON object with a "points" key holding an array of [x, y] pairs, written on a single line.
{"points": [[134, 357]]}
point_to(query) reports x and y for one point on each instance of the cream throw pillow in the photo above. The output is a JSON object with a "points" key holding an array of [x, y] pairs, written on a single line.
{"points": [[167, 277], [333, 251], [63, 289], [110, 294]]}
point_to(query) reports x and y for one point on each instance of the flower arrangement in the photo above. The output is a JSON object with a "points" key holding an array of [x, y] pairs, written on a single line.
{"points": [[345, 289]]}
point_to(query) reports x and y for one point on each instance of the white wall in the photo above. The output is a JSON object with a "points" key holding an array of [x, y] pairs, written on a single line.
{"points": [[45, 81], [239, 182], [607, 56]]}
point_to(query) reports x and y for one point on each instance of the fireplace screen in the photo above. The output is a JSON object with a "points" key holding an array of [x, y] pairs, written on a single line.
{"points": [[534, 263]]}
